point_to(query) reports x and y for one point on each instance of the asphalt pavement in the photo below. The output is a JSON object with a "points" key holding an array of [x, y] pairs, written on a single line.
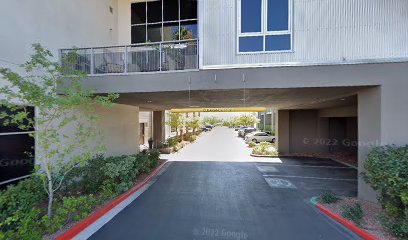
{"points": [[235, 197]]}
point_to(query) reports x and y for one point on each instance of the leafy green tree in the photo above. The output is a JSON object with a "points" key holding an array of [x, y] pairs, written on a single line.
{"points": [[193, 123], [210, 120], [175, 122], [247, 120], [65, 124]]}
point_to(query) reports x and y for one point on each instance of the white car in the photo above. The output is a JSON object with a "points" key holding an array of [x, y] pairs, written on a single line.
{"points": [[260, 137]]}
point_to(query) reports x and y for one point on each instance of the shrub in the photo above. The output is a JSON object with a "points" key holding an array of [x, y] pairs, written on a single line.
{"points": [[87, 178], [353, 213], [192, 138], [29, 225], [179, 146], [173, 141], [328, 197], [154, 158], [265, 148], [18, 214], [70, 208], [119, 173], [387, 172], [252, 144]]}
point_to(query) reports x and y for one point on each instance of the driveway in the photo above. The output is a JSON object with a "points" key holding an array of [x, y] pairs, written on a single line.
{"points": [[232, 199]]}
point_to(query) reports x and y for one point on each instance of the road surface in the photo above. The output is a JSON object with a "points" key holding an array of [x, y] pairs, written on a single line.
{"points": [[228, 199]]}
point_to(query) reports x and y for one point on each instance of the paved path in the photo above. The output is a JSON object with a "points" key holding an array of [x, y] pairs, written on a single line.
{"points": [[221, 144], [201, 200]]}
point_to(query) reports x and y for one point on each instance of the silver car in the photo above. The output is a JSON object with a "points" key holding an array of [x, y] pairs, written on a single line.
{"points": [[260, 137]]}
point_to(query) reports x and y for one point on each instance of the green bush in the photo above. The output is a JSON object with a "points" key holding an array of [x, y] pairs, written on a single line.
{"points": [[180, 145], [18, 213], [19, 216], [189, 137], [69, 209], [173, 141], [353, 213], [328, 197], [29, 225], [22, 218], [264, 148], [387, 172], [154, 158], [252, 144]]}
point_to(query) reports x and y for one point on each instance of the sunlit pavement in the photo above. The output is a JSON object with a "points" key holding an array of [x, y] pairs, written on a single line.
{"points": [[220, 144], [216, 191]]}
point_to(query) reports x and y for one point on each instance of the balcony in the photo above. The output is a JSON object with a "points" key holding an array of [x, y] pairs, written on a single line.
{"points": [[135, 58]]}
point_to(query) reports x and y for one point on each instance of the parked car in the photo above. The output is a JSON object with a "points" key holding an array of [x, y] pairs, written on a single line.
{"points": [[260, 137], [209, 126], [236, 128], [205, 129], [241, 131], [248, 131]]}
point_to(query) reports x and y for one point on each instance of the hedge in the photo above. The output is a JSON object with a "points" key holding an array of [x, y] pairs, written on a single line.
{"points": [[386, 170]]}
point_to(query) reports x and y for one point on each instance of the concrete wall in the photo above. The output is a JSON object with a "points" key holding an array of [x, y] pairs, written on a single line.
{"points": [[124, 21], [283, 132], [347, 111], [121, 128], [304, 131], [55, 24], [159, 133]]}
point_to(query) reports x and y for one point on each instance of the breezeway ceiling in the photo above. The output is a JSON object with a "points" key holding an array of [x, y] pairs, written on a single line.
{"points": [[293, 98]]}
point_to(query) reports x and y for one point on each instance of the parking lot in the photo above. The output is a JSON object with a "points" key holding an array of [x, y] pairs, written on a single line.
{"points": [[223, 198]]}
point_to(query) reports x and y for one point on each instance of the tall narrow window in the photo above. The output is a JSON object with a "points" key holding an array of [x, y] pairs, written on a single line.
{"points": [[164, 20], [251, 16], [264, 26], [278, 15]]}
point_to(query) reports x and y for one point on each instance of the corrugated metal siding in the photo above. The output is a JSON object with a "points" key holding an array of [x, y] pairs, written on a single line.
{"points": [[324, 31]]}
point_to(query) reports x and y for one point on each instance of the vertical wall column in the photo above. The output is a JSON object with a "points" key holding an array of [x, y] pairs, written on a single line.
{"points": [[369, 134], [159, 126], [282, 131]]}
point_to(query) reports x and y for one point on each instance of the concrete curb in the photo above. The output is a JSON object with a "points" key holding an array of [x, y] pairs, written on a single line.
{"points": [[266, 156], [360, 232], [83, 224]]}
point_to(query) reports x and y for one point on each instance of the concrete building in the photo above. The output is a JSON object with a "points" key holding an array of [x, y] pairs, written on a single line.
{"points": [[267, 120], [335, 70]]}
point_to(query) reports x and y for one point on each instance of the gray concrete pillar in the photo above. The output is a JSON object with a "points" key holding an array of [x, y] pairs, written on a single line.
{"points": [[282, 131], [159, 133], [382, 120], [369, 134]]}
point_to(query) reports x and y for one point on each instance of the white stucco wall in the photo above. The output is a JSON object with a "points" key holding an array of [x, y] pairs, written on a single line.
{"points": [[55, 24], [64, 24]]}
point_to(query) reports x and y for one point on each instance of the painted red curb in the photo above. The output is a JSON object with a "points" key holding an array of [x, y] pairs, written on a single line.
{"points": [[346, 223], [79, 227], [249, 147]]}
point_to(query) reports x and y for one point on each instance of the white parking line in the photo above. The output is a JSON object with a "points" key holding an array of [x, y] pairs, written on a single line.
{"points": [[305, 166], [319, 178]]}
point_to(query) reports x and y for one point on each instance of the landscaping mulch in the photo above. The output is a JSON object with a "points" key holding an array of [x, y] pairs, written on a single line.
{"points": [[371, 223], [70, 224]]}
